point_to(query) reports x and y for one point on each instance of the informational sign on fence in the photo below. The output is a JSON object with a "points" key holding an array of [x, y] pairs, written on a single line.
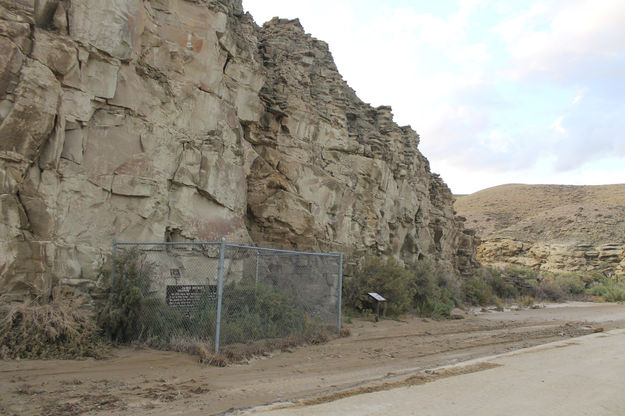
{"points": [[188, 296]]}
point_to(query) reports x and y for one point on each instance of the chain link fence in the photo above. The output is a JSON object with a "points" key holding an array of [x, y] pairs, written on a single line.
{"points": [[221, 293]]}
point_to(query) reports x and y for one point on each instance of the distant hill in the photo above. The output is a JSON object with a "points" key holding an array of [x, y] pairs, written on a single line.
{"points": [[551, 227]]}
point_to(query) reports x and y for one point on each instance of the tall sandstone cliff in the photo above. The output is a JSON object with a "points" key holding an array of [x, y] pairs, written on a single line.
{"points": [[168, 120]]}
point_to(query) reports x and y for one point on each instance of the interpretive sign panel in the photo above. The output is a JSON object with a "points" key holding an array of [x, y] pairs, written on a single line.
{"points": [[188, 296], [377, 297]]}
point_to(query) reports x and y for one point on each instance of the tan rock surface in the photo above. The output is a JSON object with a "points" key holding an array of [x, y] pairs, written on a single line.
{"points": [[172, 119], [550, 227]]}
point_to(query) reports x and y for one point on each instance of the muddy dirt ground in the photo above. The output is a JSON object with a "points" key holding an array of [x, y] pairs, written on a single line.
{"points": [[146, 382]]}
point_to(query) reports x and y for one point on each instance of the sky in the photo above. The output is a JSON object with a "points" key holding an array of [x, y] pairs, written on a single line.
{"points": [[500, 91]]}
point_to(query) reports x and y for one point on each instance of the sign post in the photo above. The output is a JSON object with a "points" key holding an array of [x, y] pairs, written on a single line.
{"points": [[378, 299], [220, 291]]}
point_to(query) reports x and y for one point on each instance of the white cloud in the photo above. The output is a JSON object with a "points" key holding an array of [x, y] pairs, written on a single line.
{"points": [[496, 142], [557, 126], [559, 37], [580, 94], [499, 91]]}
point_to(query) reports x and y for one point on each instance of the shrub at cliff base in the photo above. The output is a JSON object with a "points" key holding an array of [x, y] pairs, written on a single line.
{"points": [[422, 289], [436, 293], [383, 276], [56, 329], [253, 312], [121, 315], [414, 288], [477, 291], [525, 285], [132, 313], [608, 290]]}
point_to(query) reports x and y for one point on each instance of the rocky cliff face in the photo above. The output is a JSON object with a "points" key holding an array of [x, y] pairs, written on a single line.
{"points": [[567, 257], [183, 120]]}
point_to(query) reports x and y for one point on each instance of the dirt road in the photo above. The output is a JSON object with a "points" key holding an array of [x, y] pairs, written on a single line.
{"points": [[584, 376], [376, 355]]}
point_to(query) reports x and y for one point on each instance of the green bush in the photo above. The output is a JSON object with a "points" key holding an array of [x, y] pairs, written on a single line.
{"points": [[121, 314], [526, 301], [424, 285], [609, 290], [614, 293], [571, 284], [520, 272], [515, 282], [418, 288], [477, 291], [436, 292], [132, 313], [385, 277], [500, 287], [518, 282], [158, 323], [549, 289], [524, 280], [561, 286], [253, 312], [435, 307], [428, 292], [589, 279]]}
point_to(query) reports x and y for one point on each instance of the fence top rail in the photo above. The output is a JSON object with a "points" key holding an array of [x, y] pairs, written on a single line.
{"points": [[214, 243], [283, 251], [166, 243]]}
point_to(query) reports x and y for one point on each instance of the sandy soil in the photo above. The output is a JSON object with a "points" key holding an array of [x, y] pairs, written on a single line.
{"points": [[376, 355], [584, 376]]}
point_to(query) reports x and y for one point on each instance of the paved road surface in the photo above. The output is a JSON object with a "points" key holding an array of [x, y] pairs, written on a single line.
{"points": [[580, 376]]}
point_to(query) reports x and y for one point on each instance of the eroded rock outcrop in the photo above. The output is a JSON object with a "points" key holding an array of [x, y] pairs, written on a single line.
{"points": [[554, 228], [183, 120], [568, 257]]}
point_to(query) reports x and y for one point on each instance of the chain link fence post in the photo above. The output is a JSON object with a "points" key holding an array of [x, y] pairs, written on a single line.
{"points": [[340, 292], [257, 267], [113, 260], [220, 289]]}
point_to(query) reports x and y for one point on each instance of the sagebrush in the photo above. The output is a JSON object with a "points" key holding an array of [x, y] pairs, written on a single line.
{"points": [[60, 328], [414, 288], [426, 291], [120, 317]]}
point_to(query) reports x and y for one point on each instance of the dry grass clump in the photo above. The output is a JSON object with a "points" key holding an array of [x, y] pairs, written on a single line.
{"points": [[215, 360], [233, 353], [189, 345], [55, 329]]}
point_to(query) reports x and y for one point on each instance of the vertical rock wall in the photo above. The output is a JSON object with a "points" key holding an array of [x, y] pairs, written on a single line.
{"points": [[332, 172], [156, 120]]}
